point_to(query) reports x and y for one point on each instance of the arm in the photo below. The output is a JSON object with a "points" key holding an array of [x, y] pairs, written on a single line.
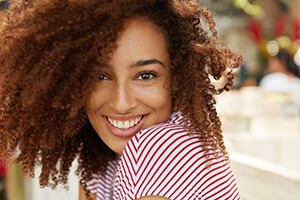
{"points": [[176, 161], [82, 194]]}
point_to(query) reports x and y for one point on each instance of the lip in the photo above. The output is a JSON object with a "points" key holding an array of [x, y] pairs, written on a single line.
{"points": [[127, 133]]}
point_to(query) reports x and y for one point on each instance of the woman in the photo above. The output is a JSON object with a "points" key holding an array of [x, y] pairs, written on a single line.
{"points": [[99, 80], [283, 74]]}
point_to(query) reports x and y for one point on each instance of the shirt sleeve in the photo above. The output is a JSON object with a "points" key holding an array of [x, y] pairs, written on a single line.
{"points": [[102, 184], [165, 160]]}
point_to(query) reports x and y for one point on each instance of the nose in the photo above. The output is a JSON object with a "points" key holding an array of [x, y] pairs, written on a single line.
{"points": [[123, 99]]}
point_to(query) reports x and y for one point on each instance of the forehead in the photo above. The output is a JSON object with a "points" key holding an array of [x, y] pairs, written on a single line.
{"points": [[141, 38], [141, 31]]}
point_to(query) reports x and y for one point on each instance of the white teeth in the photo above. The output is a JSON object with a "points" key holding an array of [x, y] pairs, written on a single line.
{"points": [[132, 123], [120, 125], [115, 123], [124, 124]]}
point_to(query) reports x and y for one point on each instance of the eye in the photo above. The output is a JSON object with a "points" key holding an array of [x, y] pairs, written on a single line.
{"points": [[144, 76], [103, 77]]}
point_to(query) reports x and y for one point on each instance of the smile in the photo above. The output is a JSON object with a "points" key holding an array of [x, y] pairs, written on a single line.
{"points": [[124, 124]]}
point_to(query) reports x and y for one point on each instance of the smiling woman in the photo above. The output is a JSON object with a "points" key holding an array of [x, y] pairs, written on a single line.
{"points": [[121, 86], [133, 90]]}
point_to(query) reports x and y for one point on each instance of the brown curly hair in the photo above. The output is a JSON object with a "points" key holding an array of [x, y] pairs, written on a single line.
{"points": [[49, 56]]}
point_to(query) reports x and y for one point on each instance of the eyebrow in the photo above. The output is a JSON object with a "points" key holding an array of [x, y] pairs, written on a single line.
{"points": [[141, 63]]}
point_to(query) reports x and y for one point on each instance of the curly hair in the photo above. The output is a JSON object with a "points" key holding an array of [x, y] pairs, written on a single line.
{"points": [[49, 57]]}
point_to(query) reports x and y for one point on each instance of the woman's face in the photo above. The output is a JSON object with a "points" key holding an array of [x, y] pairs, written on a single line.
{"points": [[133, 91]]}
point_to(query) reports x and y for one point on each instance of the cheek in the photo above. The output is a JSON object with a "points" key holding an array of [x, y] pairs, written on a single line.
{"points": [[164, 97], [97, 98], [90, 104], [156, 97]]}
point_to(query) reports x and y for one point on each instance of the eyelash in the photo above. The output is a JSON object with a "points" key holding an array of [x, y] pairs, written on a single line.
{"points": [[152, 74], [103, 77]]}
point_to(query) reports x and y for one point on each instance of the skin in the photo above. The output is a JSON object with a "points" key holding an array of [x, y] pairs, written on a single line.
{"points": [[275, 65], [120, 89], [133, 86]]}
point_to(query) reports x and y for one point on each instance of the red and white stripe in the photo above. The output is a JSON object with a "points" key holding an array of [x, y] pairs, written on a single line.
{"points": [[165, 160], [102, 185]]}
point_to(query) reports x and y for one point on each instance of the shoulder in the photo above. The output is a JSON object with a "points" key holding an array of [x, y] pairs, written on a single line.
{"points": [[168, 143], [274, 81], [278, 82], [160, 134], [173, 163], [166, 160], [166, 139], [271, 78]]}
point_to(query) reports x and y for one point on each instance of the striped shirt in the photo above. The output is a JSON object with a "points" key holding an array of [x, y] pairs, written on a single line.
{"points": [[165, 160]]}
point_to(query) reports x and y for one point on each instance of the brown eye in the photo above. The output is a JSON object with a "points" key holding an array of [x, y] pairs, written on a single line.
{"points": [[146, 76], [103, 77]]}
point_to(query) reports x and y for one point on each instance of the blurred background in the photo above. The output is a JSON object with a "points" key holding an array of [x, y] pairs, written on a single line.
{"points": [[260, 116]]}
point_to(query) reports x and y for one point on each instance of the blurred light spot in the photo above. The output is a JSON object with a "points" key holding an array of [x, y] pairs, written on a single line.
{"points": [[252, 9], [272, 47], [284, 42]]}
